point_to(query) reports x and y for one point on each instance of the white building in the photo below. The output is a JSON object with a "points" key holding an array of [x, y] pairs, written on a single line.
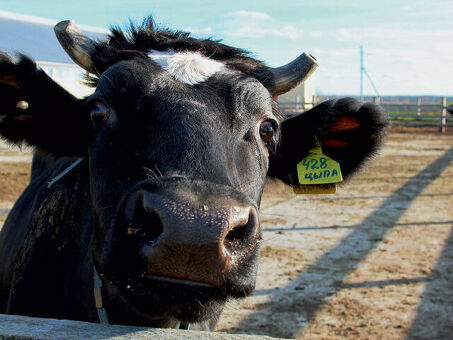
{"points": [[34, 37], [302, 96]]}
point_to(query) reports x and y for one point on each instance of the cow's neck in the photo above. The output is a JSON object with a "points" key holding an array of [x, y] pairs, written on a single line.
{"points": [[56, 235]]}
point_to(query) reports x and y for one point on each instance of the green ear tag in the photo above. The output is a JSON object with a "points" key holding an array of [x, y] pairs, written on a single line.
{"points": [[317, 173]]}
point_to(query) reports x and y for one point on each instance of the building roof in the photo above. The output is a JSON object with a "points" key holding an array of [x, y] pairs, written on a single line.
{"points": [[35, 37]]}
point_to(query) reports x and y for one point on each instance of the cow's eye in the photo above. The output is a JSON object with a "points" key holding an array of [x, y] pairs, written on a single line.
{"points": [[266, 131], [99, 113]]}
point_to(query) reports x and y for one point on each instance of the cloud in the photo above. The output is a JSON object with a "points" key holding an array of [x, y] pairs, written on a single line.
{"points": [[246, 24], [258, 31], [199, 30], [251, 15], [287, 31], [360, 35]]}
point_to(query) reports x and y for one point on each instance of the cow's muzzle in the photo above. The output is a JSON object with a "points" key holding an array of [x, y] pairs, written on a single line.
{"points": [[192, 235]]}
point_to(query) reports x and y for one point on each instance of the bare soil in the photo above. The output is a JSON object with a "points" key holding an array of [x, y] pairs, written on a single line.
{"points": [[14, 178], [374, 261]]}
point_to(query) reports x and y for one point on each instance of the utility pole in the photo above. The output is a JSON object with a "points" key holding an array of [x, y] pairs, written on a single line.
{"points": [[361, 73]]}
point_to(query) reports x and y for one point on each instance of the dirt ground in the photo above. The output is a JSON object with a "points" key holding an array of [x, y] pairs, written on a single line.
{"points": [[374, 261]]}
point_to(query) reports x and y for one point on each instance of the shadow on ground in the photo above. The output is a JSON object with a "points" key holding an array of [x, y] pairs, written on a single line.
{"points": [[429, 323], [322, 280]]}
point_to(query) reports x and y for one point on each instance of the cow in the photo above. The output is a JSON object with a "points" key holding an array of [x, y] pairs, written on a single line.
{"points": [[157, 222]]}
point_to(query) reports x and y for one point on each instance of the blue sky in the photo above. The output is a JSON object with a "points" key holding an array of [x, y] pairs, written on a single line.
{"points": [[408, 44]]}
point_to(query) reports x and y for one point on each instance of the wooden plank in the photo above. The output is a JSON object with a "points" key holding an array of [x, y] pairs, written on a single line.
{"points": [[413, 108], [414, 125], [414, 116]]}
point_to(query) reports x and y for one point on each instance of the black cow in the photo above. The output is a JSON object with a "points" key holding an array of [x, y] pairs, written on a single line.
{"points": [[176, 141]]}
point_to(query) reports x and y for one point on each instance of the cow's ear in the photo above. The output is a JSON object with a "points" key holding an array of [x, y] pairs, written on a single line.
{"points": [[349, 132], [37, 111]]}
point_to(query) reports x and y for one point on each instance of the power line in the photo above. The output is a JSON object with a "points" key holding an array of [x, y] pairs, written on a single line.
{"points": [[371, 82]]}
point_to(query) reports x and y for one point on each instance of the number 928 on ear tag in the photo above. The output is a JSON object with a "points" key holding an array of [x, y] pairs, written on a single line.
{"points": [[317, 174]]}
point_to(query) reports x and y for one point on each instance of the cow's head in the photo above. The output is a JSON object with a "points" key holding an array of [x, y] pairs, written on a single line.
{"points": [[180, 135]]}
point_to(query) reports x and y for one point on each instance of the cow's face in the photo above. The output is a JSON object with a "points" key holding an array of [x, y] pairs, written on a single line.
{"points": [[177, 172], [178, 146]]}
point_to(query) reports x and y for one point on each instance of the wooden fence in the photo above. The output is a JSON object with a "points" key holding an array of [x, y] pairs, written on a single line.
{"points": [[414, 114]]}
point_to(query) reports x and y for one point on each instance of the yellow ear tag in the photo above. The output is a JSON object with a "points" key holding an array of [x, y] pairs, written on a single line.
{"points": [[317, 173]]}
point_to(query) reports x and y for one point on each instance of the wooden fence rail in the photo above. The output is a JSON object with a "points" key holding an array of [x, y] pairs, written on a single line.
{"points": [[417, 114]]}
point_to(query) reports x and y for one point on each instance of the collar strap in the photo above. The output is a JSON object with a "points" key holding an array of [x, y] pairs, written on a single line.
{"points": [[64, 172], [102, 314]]}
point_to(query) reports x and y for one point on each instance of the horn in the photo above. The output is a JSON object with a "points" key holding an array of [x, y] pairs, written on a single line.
{"points": [[77, 46], [282, 79]]}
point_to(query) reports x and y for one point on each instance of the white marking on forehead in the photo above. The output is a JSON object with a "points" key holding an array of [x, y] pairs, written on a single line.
{"points": [[187, 67]]}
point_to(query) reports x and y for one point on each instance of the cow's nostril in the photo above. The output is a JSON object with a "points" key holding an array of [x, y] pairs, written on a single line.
{"points": [[240, 234], [152, 228], [146, 224], [237, 233]]}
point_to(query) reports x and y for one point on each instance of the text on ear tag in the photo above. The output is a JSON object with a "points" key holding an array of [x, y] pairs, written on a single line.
{"points": [[317, 173]]}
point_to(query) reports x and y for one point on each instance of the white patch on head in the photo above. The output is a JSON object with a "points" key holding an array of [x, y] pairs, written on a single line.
{"points": [[187, 67]]}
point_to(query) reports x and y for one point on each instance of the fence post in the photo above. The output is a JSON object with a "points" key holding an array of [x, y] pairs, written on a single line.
{"points": [[313, 100], [419, 103], [376, 100], [297, 103], [443, 115]]}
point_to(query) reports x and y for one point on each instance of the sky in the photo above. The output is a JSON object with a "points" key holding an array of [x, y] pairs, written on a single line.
{"points": [[408, 45]]}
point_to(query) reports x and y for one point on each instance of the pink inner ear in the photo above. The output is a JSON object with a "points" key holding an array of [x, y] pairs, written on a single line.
{"points": [[334, 143], [344, 124], [9, 80]]}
